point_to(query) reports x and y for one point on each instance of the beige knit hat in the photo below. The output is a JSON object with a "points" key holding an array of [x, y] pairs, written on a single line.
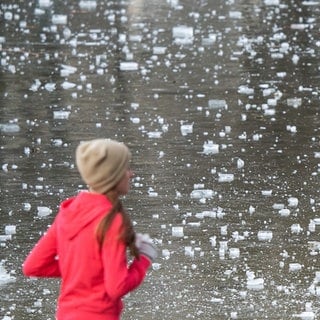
{"points": [[102, 163]]}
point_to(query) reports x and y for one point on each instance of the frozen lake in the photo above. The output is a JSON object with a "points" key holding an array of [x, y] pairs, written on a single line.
{"points": [[219, 104]]}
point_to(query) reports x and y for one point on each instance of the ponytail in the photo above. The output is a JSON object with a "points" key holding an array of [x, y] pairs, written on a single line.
{"points": [[127, 232]]}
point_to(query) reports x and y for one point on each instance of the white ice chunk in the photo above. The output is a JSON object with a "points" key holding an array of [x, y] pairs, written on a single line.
{"points": [[240, 163], [269, 112], [177, 232], [284, 212], [67, 33], [213, 241], [182, 31], [35, 86], [182, 34], [45, 3], [174, 3], [225, 177], [88, 4], [256, 137], [294, 267], [135, 120], [3, 62], [5, 277], [166, 253], [217, 104], [26, 206], [272, 102], [9, 128], [210, 40], [203, 193], [61, 114], [293, 202], [267, 91], [161, 155], [222, 253], [294, 102], [237, 237], [68, 85], [299, 26], [159, 50], [295, 59], [12, 68], [57, 142], [234, 253], [255, 284], [251, 209], [235, 14], [266, 193], [278, 206], [152, 193], [227, 129], [189, 251], [50, 86], [67, 70], [265, 235], [206, 213], [186, 128], [306, 315], [296, 228], [10, 229], [39, 12], [129, 66], [243, 89], [8, 15], [154, 134], [271, 2], [292, 129], [224, 232], [59, 19], [312, 226], [43, 211], [134, 105], [210, 147], [284, 47], [135, 37], [5, 237]]}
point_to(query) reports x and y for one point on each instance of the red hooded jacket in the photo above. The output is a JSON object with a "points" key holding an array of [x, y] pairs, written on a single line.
{"points": [[93, 281]]}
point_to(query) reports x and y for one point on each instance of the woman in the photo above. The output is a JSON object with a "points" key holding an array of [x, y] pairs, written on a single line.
{"points": [[87, 243]]}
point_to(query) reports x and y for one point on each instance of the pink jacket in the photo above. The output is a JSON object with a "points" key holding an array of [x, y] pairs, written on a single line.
{"points": [[93, 281]]}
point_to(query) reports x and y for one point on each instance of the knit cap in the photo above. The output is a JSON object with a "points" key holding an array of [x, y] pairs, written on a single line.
{"points": [[102, 163]]}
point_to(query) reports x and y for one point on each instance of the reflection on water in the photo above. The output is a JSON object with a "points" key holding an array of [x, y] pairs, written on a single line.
{"points": [[218, 102]]}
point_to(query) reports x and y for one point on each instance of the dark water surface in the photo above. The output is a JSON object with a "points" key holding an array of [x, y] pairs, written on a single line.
{"points": [[219, 103]]}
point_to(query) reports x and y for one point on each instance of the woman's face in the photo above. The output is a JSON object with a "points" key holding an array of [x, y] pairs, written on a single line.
{"points": [[123, 185]]}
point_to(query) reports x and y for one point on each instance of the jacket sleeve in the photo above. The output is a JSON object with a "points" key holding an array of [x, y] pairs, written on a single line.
{"points": [[42, 261], [119, 277]]}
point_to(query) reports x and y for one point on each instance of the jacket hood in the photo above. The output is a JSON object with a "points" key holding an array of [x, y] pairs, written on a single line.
{"points": [[77, 212]]}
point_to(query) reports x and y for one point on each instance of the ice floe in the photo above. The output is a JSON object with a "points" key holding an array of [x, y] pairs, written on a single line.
{"points": [[5, 276], [182, 34], [43, 211]]}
